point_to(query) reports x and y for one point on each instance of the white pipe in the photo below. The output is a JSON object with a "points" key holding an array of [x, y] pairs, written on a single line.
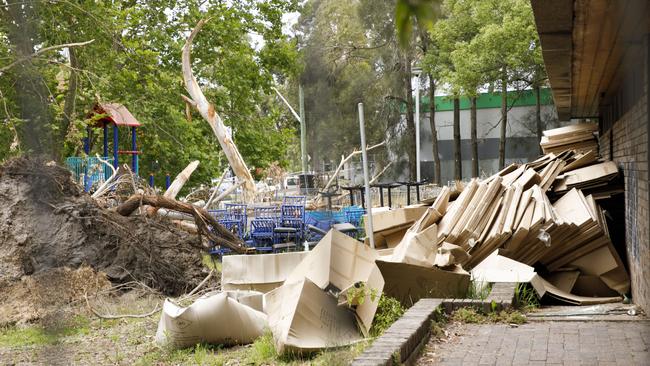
{"points": [[366, 178]]}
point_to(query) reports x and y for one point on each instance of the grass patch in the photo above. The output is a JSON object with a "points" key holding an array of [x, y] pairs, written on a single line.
{"points": [[263, 349], [201, 354], [479, 290], [211, 262], [526, 297], [40, 335], [472, 316], [388, 311], [261, 352]]}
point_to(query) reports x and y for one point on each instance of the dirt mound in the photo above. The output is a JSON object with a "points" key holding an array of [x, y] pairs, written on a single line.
{"points": [[49, 293], [47, 222]]}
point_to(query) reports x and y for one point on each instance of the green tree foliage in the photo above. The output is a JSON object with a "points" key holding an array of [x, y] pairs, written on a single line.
{"points": [[483, 44], [346, 56], [135, 60]]}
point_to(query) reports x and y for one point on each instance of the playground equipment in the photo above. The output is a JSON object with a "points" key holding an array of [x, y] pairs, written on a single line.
{"points": [[118, 116], [88, 170]]}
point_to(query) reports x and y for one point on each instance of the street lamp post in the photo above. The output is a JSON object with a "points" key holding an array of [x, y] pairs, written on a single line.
{"points": [[417, 71]]}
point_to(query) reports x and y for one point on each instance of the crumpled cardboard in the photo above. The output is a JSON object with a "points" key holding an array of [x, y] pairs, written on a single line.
{"points": [[417, 247], [304, 318], [307, 304], [408, 283], [497, 268], [229, 318], [260, 272], [449, 254]]}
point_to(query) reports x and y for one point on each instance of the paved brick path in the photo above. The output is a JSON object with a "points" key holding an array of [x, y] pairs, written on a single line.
{"points": [[543, 343]]}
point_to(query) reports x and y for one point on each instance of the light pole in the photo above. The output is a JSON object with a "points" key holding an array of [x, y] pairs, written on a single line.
{"points": [[366, 177], [303, 129], [416, 71]]}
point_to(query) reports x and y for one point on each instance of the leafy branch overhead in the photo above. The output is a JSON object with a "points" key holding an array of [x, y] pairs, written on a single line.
{"points": [[424, 11]]}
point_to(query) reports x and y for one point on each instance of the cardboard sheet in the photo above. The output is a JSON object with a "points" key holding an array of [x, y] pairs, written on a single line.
{"points": [[543, 287], [339, 262], [497, 268], [260, 272], [216, 318], [408, 283], [304, 318], [418, 248], [384, 220]]}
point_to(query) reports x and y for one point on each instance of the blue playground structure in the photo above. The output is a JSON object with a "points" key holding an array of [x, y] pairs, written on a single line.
{"points": [[89, 171]]}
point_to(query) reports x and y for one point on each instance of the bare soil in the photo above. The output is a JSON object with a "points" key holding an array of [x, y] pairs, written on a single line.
{"points": [[48, 223]]}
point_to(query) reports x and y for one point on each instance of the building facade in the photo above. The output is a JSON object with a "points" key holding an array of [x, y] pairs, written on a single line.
{"points": [[522, 143], [596, 55]]}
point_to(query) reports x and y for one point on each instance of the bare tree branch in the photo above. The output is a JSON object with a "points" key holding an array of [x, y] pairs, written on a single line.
{"points": [[41, 51]]}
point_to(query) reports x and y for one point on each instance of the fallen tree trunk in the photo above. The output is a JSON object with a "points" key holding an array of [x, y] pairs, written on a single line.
{"points": [[208, 111], [206, 224]]}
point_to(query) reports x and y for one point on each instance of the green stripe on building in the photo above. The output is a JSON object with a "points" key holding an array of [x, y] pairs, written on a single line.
{"points": [[489, 100]]}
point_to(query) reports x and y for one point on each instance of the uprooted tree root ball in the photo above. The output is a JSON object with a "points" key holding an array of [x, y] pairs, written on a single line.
{"points": [[47, 222]]}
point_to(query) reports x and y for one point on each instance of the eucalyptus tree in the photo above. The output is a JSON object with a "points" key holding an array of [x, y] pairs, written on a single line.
{"points": [[135, 60]]}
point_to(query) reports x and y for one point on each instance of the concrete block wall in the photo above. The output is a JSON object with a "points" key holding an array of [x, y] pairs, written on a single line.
{"points": [[628, 138]]}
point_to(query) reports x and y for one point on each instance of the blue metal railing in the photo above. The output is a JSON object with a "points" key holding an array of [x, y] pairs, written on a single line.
{"points": [[88, 171]]}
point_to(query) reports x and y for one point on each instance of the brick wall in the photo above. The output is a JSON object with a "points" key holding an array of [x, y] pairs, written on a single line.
{"points": [[626, 143]]}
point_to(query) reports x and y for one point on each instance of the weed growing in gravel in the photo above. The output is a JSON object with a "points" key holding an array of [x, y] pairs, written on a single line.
{"points": [[526, 297], [471, 315]]}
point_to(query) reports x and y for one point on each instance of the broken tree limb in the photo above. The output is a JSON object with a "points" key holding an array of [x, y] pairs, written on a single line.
{"points": [[374, 179], [227, 192], [344, 160], [108, 182], [187, 226], [216, 190], [180, 180], [41, 51], [293, 111], [207, 225], [207, 110]]}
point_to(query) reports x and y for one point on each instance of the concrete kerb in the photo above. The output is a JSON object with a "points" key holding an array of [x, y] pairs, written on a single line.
{"points": [[402, 341]]}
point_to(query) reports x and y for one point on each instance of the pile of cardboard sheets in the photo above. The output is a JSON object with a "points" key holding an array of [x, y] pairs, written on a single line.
{"points": [[544, 214], [578, 137]]}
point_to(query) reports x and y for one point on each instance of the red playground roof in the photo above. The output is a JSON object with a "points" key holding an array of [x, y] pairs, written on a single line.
{"points": [[117, 114]]}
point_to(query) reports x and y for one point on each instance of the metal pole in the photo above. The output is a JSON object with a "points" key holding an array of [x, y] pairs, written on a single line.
{"points": [[417, 126], [105, 142], [134, 149], [116, 147], [366, 178], [303, 131]]}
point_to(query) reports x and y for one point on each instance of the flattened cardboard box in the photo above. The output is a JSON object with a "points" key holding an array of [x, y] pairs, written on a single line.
{"points": [[398, 217], [339, 262], [305, 313], [227, 318], [408, 283], [261, 272], [304, 318]]}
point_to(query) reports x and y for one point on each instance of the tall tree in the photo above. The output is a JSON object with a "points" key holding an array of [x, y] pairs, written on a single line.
{"points": [[22, 24], [458, 161], [135, 60], [432, 66]]}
